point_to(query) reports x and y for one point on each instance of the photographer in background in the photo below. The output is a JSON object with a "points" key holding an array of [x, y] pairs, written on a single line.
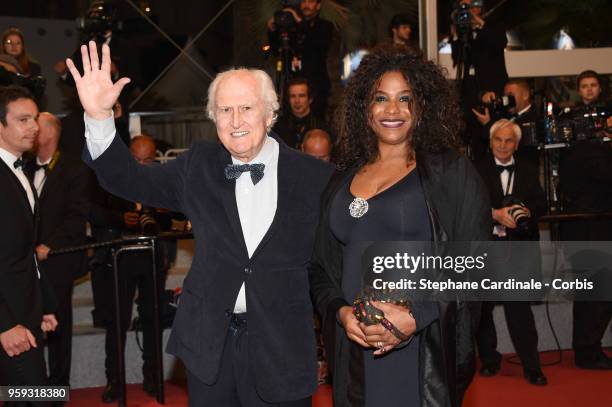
{"points": [[585, 173], [517, 199], [111, 218], [517, 107], [478, 52], [309, 39]]}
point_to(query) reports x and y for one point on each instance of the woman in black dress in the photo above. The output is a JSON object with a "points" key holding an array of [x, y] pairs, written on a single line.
{"points": [[399, 178]]}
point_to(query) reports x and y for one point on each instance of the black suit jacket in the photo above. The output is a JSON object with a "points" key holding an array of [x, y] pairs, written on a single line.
{"points": [[526, 186], [486, 55], [281, 335], [63, 205], [21, 291]]}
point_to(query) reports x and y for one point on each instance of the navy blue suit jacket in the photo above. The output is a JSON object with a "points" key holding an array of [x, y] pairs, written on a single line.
{"points": [[281, 336]]}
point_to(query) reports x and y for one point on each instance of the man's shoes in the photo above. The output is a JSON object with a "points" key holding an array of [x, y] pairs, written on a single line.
{"points": [[600, 362], [489, 370], [111, 392], [536, 377]]}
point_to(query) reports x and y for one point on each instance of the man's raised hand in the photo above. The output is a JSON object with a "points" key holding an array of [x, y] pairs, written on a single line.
{"points": [[97, 91]]}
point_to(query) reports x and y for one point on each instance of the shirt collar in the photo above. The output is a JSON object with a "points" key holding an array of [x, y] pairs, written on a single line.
{"points": [[8, 158], [524, 110], [502, 164], [264, 156], [43, 163]]}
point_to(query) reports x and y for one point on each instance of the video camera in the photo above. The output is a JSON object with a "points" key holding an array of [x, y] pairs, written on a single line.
{"points": [[35, 84], [583, 123], [462, 16], [284, 21], [99, 19]]}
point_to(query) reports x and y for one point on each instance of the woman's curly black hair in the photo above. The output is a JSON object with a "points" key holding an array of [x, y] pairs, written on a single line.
{"points": [[435, 107]]}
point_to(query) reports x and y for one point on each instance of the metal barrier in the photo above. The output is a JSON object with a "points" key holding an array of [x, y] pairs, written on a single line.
{"points": [[118, 247]]}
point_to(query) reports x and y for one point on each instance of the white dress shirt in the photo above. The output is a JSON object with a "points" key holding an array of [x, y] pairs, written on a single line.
{"points": [[504, 177], [10, 159], [256, 203], [40, 176]]}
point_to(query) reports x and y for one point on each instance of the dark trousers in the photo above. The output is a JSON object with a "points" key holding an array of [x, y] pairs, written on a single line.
{"points": [[590, 322], [26, 369], [234, 386], [521, 327], [59, 342], [134, 272]]}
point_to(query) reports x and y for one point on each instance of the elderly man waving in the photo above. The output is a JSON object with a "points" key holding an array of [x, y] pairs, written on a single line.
{"points": [[244, 325]]}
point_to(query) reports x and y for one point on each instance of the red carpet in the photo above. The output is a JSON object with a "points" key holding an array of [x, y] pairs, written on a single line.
{"points": [[567, 387]]}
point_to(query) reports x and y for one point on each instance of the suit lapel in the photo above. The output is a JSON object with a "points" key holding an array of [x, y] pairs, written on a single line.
{"points": [[22, 193], [286, 182], [52, 177], [227, 190]]}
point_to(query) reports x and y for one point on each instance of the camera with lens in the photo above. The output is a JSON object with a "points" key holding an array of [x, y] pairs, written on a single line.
{"points": [[284, 21], [525, 225], [462, 16], [584, 123], [35, 84], [99, 19], [499, 108], [147, 223]]}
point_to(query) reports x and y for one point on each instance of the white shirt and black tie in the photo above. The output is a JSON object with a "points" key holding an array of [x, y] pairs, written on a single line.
{"points": [[506, 177], [256, 202]]}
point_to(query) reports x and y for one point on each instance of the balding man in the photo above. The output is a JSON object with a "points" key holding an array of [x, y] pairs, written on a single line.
{"points": [[61, 183], [317, 143], [244, 325], [143, 149]]}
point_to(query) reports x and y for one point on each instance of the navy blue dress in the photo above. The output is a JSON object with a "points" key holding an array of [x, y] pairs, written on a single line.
{"points": [[397, 213]]}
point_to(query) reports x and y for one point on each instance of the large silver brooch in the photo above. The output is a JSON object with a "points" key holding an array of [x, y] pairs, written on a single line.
{"points": [[358, 207]]}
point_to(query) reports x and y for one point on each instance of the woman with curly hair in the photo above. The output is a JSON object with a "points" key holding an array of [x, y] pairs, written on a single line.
{"points": [[13, 44], [399, 178]]}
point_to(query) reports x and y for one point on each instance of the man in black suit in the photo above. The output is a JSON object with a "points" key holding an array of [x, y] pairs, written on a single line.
{"points": [[506, 175], [244, 325], [299, 119], [479, 51], [585, 172], [25, 297], [310, 45], [61, 183]]}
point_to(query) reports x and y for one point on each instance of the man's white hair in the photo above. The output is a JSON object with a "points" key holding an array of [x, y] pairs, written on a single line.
{"points": [[267, 91], [502, 123]]}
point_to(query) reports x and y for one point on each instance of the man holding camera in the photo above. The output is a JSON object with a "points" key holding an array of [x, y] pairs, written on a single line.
{"points": [[517, 200], [478, 50], [309, 40], [518, 109], [112, 218], [585, 173]]}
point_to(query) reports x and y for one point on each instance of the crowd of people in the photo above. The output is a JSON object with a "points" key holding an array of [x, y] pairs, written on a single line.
{"points": [[282, 210]]}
